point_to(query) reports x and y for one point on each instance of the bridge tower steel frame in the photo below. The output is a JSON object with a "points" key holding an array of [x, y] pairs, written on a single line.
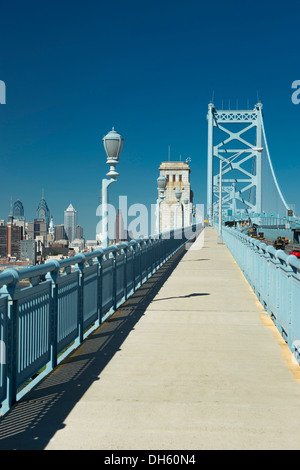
{"points": [[245, 180]]}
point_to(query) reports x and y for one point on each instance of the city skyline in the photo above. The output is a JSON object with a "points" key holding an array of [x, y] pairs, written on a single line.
{"points": [[34, 213]]}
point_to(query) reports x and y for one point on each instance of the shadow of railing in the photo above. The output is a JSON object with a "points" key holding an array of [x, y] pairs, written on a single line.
{"points": [[32, 422]]}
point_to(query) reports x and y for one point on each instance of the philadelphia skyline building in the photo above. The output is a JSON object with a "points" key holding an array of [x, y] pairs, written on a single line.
{"points": [[18, 210], [70, 223], [43, 212]]}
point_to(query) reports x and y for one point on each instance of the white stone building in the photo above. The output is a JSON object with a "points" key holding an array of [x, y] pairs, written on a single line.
{"points": [[178, 178]]}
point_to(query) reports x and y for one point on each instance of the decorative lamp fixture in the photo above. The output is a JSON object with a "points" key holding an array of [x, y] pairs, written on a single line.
{"points": [[178, 195], [113, 144], [161, 186]]}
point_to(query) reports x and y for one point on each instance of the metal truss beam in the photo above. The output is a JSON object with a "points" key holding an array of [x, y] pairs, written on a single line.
{"points": [[244, 180]]}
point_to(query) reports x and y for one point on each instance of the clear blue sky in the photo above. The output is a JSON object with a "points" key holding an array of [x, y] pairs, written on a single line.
{"points": [[75, 69]]}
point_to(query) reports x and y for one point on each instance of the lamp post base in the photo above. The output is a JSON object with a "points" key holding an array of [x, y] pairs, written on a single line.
{"points": [[220, 240]]}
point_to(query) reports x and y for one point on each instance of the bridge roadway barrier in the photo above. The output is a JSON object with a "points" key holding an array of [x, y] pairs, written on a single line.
{"points": [[190, 361]]}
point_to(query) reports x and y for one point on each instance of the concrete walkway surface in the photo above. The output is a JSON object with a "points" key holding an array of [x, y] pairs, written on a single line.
{"points": [[191, 361]]}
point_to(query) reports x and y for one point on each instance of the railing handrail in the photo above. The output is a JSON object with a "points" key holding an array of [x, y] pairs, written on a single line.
{"points": [[289, 260]]}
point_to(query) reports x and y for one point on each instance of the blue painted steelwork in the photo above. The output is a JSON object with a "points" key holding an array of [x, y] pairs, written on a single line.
{"points": [[266, 220], [64, 301], [3, 352], [275, 278]]}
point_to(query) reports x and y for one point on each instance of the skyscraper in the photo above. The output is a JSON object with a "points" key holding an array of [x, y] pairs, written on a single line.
{"points": [[120, 232], [18, 210], [70, 223], [59, 232], [19, 216], [43, 212]]}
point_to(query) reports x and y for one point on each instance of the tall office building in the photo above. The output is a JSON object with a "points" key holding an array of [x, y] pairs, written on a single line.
{"points": [[3, 241], [43, 212], [120, 232], [79, 232], [11, 235], [178, 178], [13, 240], [35, 229], [18, 210], [28, 250], [19, 216], [59, 232], [70, 223]]}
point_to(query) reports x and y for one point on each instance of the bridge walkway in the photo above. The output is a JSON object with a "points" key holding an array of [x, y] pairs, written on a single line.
{"points": [[191, 361]]}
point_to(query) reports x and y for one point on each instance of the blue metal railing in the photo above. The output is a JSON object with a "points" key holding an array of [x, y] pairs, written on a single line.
{"points": [[275, 278], [62, 302]]}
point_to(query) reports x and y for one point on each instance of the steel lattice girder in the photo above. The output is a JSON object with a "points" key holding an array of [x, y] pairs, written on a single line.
{"points": [[244, 179]]}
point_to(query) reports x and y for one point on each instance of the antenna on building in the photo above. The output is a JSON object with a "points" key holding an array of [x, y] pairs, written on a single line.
{"points": [[169, 153]]}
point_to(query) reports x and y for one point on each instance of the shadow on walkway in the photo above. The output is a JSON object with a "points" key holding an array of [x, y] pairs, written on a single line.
{"points": [[33, 421], [196, 294]]}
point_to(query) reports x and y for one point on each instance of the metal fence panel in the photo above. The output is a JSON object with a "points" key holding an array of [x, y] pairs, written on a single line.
{"points": [[273, 308], [120, 267], [33, 330], [107, 284], [144, 261], [295, 316], [129, 272], [264, 286], [90, 295], [67, 309], [283, 316], [137, 267]]}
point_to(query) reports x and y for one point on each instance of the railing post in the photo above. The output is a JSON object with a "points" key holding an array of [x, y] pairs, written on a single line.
{"points": [[12, 346], [52, 275], [99, 260], [80, 267], [114, 290], [125, 271], [133, 266]]}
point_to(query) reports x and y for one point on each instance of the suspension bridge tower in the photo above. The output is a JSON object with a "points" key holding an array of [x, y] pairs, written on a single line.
{"points": [[233, 137]]}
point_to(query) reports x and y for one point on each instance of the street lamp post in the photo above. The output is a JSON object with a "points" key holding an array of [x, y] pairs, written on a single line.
{"points": [[161, 186], [228, 162], [113, 143], [186, 212], [178, 195]]}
